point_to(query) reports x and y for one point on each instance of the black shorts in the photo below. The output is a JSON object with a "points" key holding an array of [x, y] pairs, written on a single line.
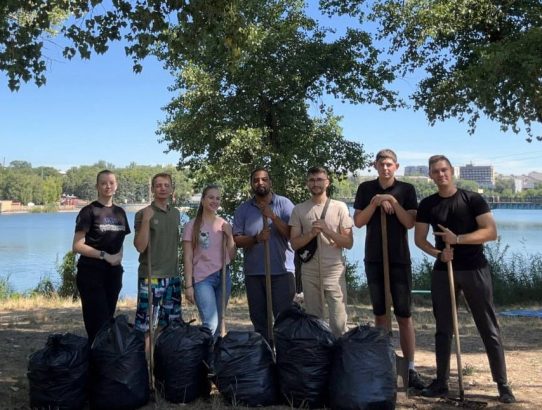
{"points": [[400, 286]]}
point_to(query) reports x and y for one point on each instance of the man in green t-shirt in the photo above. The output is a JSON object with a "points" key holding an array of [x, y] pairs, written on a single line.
{"points": [[157, 229]]}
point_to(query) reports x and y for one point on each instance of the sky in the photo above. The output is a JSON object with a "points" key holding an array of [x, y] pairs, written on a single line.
{"points": [[98, 109]]}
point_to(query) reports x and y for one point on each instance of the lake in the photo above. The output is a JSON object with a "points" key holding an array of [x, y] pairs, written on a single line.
{"points": [[31, 245]]}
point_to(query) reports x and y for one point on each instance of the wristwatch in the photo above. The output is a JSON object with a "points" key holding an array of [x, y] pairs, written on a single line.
{"points": [[102, 255]]}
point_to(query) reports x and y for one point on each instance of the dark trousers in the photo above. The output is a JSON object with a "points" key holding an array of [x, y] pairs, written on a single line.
{"points": [[282, 295], [478, 290], [99, 289]]}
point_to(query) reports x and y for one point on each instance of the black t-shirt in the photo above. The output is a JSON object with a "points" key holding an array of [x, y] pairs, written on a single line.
{"points": [[105, 227], [457, 213], [398, 250]]}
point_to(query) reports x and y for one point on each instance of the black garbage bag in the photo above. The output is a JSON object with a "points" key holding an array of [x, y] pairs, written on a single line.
{"points": [[244, 369], [58, 373], [180, 362], [363, 374], [304, 347], [119, 375]]}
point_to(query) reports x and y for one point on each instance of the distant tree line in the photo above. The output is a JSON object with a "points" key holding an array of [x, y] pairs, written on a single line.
{"points": [[504, 187], [45, 185]]}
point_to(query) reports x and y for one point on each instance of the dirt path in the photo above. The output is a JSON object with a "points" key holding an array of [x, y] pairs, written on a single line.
{"points": [[24, 329]]}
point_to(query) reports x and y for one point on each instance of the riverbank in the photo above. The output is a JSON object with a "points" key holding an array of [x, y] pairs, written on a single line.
{"points": [[25, 324], [23, 209]]}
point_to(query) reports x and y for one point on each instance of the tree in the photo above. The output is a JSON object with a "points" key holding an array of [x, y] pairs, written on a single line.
{"points": [[52, 190], [86, 26], [468, 184], [18, 187], [244, 100], [20, 165], [81, 181], [475, 57]]}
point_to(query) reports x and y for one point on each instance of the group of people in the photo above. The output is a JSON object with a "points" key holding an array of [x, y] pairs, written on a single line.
{"points": [[269, 229]]}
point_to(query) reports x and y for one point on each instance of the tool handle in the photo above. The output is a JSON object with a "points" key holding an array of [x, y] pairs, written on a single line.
{"points": [[455, 326]]}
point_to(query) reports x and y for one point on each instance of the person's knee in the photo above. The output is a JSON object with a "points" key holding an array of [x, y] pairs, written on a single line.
{"points": [[380, 321]]}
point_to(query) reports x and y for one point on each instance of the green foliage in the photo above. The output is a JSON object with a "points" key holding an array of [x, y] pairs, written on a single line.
{"points": [[45, 287], [237, 275], [421, 274], [468, 185], [353, 280], [517, 277], [244, 99], [44, 185], [67, 271], [479, 57], [20, 182], [6, 290], [424, 186]]}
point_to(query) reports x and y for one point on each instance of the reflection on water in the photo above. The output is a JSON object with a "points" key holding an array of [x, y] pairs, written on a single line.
{"points": [[31, 245]]}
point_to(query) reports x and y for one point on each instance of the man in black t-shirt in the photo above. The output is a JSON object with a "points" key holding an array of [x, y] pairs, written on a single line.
{"points": [[463, 220], [398, 200]]}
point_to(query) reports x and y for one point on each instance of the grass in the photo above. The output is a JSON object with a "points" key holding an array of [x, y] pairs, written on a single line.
{"points": [[37, 310]]}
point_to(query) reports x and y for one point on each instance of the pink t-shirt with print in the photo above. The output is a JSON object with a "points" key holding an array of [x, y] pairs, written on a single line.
{"points": [[208, 254]]}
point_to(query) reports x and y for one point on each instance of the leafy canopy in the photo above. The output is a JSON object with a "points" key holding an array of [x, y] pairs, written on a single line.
{"points": [[475, 57], [250, 94], [251, 76]]}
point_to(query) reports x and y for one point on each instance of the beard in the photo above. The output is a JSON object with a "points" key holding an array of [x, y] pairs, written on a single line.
{"points": [[262, 190], [317, 190]]}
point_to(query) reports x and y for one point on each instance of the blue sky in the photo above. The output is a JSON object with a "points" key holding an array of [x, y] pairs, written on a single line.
{"points": [[100, 110]]}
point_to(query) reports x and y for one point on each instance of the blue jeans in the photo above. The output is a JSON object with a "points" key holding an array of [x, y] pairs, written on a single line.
{"points": [[208, 295]]}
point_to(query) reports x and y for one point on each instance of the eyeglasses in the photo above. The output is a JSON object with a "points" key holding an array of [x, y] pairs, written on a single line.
{"points": [[316, 180]]}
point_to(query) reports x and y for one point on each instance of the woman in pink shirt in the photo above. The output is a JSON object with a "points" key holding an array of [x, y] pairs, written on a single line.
{"points": [[203, 252]]}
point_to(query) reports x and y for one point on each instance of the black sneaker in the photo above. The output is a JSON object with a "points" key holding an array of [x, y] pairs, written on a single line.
{"points": [[414, 381], [437, 388], [505, 394]]}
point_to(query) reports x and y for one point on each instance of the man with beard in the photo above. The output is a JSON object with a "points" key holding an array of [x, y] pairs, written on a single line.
{"points": [[323, 276], [250, 234]]}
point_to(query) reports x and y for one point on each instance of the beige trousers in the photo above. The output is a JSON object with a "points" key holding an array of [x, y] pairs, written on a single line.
{"points": [[333, 292]]}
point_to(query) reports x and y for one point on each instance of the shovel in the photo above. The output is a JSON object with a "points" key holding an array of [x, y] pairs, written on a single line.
{"points": [[268, 295], [223, 284], [461, 401], [150, 314], [401, 363]]}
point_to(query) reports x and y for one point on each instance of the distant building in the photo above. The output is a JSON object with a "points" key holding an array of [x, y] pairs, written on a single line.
{"points": [[416, 170], [523, 182], [483, 175]]}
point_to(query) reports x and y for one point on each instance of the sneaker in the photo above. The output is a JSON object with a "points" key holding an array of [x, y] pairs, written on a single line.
{"points": [[437, 388], [505, 394], [414, 381]]}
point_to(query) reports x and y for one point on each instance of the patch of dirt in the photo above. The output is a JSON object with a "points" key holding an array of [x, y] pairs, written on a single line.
{"points": [[25, 330]]}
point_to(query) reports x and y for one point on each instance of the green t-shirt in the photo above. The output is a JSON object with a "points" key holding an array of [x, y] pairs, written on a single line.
{"points": [[164, 239]]}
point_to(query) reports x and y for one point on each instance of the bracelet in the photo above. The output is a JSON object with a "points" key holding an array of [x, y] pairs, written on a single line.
{"points": [[457, 240], [188, 287]]}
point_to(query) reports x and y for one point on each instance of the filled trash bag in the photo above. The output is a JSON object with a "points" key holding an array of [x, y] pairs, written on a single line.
{"points": [[58, 373], [363, 374], [244, 369], [304, 347], [119, 375], [180, 362]]}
